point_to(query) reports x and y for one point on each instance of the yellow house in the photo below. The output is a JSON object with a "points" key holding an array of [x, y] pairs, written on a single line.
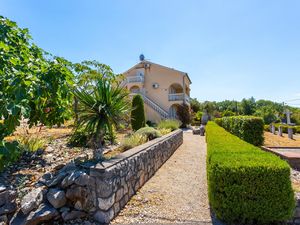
{"points": [[161, 87]]}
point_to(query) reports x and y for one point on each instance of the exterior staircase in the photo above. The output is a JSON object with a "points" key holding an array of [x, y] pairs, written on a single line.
{"points": [[164, 114]]}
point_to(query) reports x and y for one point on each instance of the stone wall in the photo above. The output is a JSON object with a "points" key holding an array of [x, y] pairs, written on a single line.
{"points": [[117, 180], [87, 190]]}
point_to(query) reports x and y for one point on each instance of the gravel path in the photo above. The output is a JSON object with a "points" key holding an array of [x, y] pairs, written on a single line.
{"points": [[177, 193]]}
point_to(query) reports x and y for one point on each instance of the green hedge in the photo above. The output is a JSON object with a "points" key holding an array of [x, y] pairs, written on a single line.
{"points": [[245, 184], [296, 129], [248, 128]]}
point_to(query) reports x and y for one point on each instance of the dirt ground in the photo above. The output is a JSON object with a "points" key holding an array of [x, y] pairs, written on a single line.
{"points": [[272, 140]]}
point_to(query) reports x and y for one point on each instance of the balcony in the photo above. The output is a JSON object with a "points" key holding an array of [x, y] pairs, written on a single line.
{"points": [[135, 79], [179, 97]]}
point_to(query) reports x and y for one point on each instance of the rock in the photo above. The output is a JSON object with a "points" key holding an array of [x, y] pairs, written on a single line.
{"points": [[7, 196], [49, 149], [83, 180], [78, 206], [75, 214], [106, 203], [3, 219], [32, 200], [46, 177], [43, 214], [68, 167], [9, 207], [39, 151], [68, 180], [56, 180], [64, 209], [104, 217], [2, 188], [76, 193], [56, 197]]}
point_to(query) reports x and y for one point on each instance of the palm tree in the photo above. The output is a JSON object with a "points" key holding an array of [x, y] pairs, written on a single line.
{"points": [[99, 109]]}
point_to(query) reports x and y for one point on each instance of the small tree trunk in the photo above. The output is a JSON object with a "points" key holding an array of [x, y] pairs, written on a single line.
{"points": [[98, 147]]}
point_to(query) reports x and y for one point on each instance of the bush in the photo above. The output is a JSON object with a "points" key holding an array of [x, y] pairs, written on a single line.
{"points": [[132, 141], [137, 113], [285, 127], [164, 131], [266, 127], [184, 115], [245, 184], [151, 124], [10, 152], [218, 121], [150, 132], [248, 128], [79, 138], [169, 124], [32, 143]]}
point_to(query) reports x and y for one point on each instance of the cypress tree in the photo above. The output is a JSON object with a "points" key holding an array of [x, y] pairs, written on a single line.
{"points": [[137, 113]]}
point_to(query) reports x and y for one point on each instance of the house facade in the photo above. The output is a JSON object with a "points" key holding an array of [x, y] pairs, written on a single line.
{"points": [[161, 87]]}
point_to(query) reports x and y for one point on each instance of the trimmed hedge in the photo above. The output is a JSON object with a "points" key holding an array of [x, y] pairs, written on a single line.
{"points": [[285, 127], [248, 128], [245, 184], [137, 113]]}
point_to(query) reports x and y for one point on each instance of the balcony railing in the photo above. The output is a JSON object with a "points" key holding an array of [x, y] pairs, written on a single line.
{"points": [[135, 79], [179, 97]]}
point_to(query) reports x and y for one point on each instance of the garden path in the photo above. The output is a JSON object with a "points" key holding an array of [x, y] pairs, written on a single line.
{"points": [[177, 193]]}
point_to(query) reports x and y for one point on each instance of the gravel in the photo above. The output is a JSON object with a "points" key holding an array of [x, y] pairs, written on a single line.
{"points": [[177, 193]]}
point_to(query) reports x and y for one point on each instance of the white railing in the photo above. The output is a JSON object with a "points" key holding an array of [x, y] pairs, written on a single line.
{"points": [[179, 97], [135, 79], [151, 103]]}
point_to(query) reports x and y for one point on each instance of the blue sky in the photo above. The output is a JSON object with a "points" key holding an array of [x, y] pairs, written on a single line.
{"points": [[231, 49]]}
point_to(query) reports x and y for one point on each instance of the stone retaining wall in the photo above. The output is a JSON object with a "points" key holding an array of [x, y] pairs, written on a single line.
{"points": [[87, 190], [117, 180]]}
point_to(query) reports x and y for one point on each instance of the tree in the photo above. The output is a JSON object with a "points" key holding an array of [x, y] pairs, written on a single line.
{"points": [[99, 109], [195, 105], [184, 115], [138, 119], [248, 106], [267, 113], [33, 84]]}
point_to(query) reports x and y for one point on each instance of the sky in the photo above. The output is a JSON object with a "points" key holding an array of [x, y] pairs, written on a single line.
{"points": [[231, 49]]}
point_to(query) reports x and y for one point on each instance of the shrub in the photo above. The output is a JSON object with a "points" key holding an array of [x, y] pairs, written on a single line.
{"points": [[245, 184], [266, 127], [79, 138], [169, 124], [165, 131], [218, 121], [100, 108], [1, 162], [151, 124], [132, 141], [184, 115], [150, 132], [198, 116], [285, 127], [248, 128], [31, 142], [137, 113], [10, 152]]}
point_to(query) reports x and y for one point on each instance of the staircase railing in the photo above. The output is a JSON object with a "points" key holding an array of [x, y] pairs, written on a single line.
{"points": [[156, 107]]}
